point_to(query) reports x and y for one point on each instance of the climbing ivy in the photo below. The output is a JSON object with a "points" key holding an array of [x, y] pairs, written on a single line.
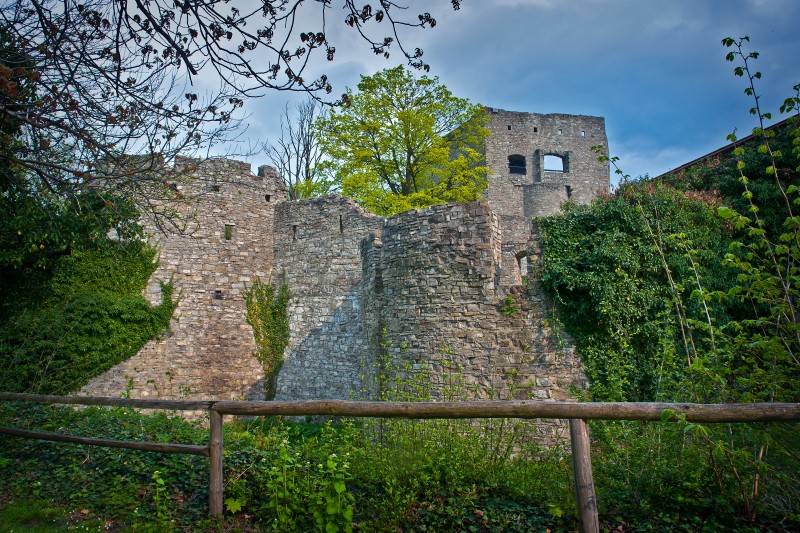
{"points": [[603, 269], [62, 327], [266, 314]]}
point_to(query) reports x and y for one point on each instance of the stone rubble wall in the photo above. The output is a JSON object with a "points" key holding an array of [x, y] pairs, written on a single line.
{"points": [[441, 306], [425, 291], [517, 198], [317, 250], [208, 352]]}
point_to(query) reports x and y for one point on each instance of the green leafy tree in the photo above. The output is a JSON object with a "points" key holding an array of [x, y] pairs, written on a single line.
{"points": [[403, 143], [98, 95]]}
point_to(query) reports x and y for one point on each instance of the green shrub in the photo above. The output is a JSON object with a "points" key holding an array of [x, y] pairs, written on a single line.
{"points": [[63, 328]]}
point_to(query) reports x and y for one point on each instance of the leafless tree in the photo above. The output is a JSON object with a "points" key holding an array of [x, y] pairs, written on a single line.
{"points": [[297, 154], [102, 80]]}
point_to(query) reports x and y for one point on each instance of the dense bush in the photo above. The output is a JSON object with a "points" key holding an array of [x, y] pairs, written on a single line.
{"points": [[685, 290], [60, 328]]}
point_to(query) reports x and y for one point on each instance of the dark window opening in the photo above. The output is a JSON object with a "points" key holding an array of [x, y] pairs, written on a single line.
{"points": [[228, 232], [535, 129], [294, 233], [213, 188], [509, 127], [218, 295], [554, 163], [516, 164], [267, 197], [341, 224], [569, 191]]}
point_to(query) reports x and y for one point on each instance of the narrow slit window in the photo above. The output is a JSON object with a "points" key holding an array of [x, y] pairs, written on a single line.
{"points": [[294, 232], [569, 191], [267, 197], [516, 164], [509, 127], [341, 224], [583, 133]]}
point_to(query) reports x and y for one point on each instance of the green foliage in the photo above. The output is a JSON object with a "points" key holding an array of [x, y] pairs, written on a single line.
{"points": [[603, 266], [117, 484], [509, 308], [61, 328], [266, 313], [669, 302], [38, 516], [403, 143]]}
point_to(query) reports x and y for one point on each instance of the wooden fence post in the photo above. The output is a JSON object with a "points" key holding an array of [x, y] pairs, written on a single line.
{"points": [[215, 465], [584, 482]]}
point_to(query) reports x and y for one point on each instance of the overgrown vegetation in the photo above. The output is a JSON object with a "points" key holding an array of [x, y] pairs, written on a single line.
{"points": [[685, 290], [365, 475], [266, 314], [61, 327], [682, 290]]}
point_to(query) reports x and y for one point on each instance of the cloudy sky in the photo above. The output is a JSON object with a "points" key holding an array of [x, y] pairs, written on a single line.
{"points": [[654, 69]]}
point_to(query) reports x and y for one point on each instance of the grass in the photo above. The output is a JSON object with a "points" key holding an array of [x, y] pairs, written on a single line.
{"points": [[39, 516]]}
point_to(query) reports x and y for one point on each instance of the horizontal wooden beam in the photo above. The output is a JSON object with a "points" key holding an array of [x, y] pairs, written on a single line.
{"points": [[131, 445], [754, 412], [169, 405], [694, 412]]}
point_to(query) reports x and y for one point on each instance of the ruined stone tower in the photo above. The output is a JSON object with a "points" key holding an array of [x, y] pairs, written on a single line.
{"points": [[537, 162], [441, 287]]}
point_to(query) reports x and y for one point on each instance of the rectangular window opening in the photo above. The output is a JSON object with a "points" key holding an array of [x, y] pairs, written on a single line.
{"points": [[228, 231]]}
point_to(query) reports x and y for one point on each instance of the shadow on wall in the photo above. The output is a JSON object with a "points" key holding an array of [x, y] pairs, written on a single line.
{"points": [[332, 360]]}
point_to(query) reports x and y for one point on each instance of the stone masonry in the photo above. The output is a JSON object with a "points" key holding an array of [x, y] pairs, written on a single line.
{"points": [[439, 288], [209, 350]]}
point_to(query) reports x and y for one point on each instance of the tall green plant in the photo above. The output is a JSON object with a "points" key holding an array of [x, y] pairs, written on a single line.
{"points": [[266, 314], [654, 310]]}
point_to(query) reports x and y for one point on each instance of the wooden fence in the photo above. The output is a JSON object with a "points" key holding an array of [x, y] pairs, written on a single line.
{"points": [[576, 413]]}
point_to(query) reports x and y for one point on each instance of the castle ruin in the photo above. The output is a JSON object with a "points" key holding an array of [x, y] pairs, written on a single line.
{"points": [[445, 286]]}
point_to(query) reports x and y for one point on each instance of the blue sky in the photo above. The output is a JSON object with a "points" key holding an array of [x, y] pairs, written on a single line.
{"points": [[654, 69]]}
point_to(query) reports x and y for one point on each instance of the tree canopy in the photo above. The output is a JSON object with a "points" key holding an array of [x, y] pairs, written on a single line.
{"points": [[102, 96], [404, 142]]}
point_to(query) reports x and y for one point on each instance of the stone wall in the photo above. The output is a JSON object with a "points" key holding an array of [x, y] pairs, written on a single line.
{"points": [[317, 249], [208, 352], [426, 291], [530, 188], [441, 306]]}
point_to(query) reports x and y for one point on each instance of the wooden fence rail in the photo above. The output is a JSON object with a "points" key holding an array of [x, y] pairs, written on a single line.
{"points": [[576, 413]]}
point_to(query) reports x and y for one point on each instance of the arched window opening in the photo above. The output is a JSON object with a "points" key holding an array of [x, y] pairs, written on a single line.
{"points": [[522, 261], [522, 267], [554, 163], [516, 164]]}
